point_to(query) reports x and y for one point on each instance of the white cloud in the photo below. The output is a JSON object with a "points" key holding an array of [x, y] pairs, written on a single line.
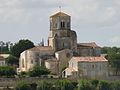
{"points": [[115, 39], [23, 11], [90, 12], [91, 17], [94, 12]]}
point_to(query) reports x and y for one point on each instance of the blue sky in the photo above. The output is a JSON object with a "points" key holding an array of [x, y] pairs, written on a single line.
{"points": [[93, 20]]}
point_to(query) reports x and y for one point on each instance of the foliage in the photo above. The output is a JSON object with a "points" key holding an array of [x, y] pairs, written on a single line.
{"points": [[113, 56], [38, 71], [21, 46], [5, 47], [116, 85], [23, 74], [64, 85], [114, 60], [12, 60], [85, 85], [105, 50], [7, 71], [104, 85], [94, 83], [55, 85], [22, 86], [44, 85]]}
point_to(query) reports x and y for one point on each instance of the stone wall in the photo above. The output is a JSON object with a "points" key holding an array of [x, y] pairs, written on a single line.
{"points": [[88, 51]]}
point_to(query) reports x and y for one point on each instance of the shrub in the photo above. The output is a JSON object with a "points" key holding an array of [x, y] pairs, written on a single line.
{"points": [[116, 85], [94, 83], [64, 85], [23, 74], [7, 71], [22, 86], [104, 85], [38, 71], [85, 85], [44, 85]]}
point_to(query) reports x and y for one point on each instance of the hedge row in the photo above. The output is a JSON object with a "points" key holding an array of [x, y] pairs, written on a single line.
{"points": [[69, 85]]}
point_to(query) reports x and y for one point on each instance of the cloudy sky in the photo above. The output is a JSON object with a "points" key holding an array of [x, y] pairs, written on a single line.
{"points": [[93, 20]]}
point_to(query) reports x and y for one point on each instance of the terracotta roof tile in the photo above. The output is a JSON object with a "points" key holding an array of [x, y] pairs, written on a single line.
{"points": [[90, 59], [2, 58], [41, 48], [92, 44], [70, 69]]}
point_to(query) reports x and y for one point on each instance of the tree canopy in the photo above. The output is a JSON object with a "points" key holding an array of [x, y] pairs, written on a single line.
{"points": [[5, 47], [21, 46], [22, 85], [12, 60], [7, 71], [113, 56], [38, 71], [106, 50]]}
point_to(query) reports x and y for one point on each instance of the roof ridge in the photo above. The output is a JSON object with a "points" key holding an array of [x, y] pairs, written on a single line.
{"points": [[59, 13], [90, 59]]}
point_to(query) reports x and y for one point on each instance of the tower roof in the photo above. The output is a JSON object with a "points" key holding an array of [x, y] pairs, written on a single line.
{"points": [[59, 14]]}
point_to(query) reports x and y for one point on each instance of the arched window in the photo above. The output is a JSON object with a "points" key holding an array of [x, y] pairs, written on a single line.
{"points": [[31, 61], [23, 65], [63, 45], [56, 25], [93, 66], [62, 24], [68, 24]]}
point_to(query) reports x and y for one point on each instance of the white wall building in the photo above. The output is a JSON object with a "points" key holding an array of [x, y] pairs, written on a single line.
{"points": [[2, 61], [34, 56], [87, 67]]}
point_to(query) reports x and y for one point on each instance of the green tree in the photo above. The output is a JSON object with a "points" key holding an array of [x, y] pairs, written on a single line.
{"points": [[5, 47], [12, 60], [22, 85], [7, 71], [85, 85], [64, 85], [94, 83], [104, 85], [44, 85], [116, 85], [21, 46], [104, 50], [114, 60], [37, 71], [23, 74]]}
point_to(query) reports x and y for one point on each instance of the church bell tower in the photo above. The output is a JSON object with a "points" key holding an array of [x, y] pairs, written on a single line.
{"points": [[61, 36], [60, 21]]}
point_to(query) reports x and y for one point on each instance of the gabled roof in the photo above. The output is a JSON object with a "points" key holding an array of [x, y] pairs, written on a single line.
{"points": [[2, 58], [92, 44], [89, 59], [5, 55], [70, 69], [41, 48], [59, 14]]}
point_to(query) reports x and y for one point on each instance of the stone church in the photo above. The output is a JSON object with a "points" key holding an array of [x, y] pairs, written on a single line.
{"points": [[62, 46]]}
